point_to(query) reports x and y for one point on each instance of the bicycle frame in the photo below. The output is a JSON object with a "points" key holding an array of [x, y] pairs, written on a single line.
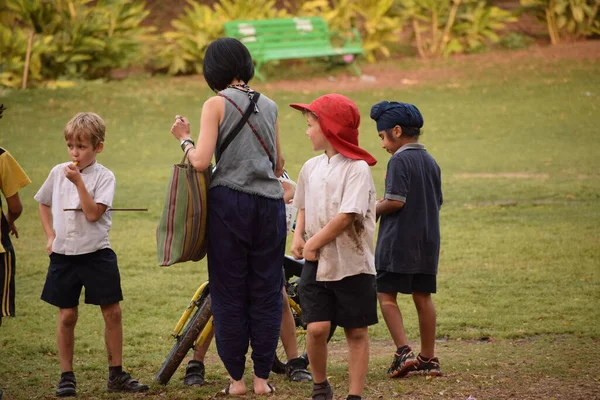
{"points": [[209, 326], [204, 334], [188, 311]]}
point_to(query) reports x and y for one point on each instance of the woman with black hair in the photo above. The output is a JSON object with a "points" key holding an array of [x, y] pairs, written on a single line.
{"points": [[246, 217]]}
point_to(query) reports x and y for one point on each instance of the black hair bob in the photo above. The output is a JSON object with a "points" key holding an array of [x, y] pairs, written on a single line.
{"points": [[225, 60]]}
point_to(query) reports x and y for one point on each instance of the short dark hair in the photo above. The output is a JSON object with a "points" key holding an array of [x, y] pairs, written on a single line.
{"points": [[225, 60], [408, 131]]}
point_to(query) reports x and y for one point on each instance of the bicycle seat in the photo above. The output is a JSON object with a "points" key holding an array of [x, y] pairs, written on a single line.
{"points": [[292, 267]]}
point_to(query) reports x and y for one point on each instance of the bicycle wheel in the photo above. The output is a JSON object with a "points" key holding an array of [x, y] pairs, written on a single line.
{"points": [[185, 340], [279, 363]]}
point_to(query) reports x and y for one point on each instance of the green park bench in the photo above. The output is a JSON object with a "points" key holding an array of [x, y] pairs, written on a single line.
{"points": [[290, 38]]}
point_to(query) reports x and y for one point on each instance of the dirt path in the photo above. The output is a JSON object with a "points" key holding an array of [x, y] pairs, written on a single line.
{"points": [[558, 367]]}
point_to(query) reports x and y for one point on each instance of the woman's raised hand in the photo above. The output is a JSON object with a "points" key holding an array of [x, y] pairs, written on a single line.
{"points": [[181, 128]]}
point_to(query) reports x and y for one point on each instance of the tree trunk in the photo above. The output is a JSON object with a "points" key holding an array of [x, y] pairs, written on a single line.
{"points": [[27, 58]]}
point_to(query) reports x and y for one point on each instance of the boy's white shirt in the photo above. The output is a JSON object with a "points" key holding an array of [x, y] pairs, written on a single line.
{"points": [[326, 188], [74, 233]]}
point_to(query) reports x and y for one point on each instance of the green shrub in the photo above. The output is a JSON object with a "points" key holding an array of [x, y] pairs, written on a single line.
{"points": [[13, 48], [477, 26], [515, 41], [443, 27], [566, 19], [72, 39]]}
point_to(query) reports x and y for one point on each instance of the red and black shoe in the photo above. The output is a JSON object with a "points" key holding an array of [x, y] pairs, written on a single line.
{"points": [[428, 367], [403, 363]]}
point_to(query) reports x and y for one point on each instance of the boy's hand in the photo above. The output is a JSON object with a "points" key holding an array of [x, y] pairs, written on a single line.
{"points": [[311, 253], [49, 245], [12, 228], [72, 173], [297, 247], [181, 128]]}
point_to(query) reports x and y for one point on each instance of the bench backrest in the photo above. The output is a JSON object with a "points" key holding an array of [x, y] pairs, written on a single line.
{"points": [[280, 34]]}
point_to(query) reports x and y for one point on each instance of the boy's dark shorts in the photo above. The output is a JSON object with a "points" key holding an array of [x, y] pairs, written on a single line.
{"points": [[98, 272], [349, 303], [392, 282]]}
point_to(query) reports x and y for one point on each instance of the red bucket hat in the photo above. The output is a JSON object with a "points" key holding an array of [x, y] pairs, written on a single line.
{"points": [[339, 120]]}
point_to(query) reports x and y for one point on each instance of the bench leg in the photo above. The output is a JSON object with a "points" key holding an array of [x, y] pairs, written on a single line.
{"points": [[257, 72], [355, 68]]}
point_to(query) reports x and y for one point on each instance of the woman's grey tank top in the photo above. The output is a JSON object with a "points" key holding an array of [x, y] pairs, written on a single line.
{"points": [[244, 165]]}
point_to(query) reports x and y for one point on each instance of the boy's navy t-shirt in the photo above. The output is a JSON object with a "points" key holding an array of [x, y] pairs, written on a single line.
{"points": [[409, 239]]}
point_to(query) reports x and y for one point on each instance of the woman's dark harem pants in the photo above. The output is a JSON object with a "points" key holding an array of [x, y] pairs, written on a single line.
{"points": [[246, 246]]}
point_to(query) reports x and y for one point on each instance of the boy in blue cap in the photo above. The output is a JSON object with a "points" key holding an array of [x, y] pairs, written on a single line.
{"points": [[408, 244]]}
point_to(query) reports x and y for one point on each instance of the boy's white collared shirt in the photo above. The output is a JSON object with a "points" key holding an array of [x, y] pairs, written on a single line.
{"points": [[326, 188], [74, 233]]}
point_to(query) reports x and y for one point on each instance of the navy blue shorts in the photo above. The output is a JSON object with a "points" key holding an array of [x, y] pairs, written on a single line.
{"points": [[349, 303], [98, 272], [392, 282]]}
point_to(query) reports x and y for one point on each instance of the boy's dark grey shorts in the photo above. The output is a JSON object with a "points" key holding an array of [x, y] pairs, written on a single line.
{"points": [[98, 272], [393, 282], [349, 303]]}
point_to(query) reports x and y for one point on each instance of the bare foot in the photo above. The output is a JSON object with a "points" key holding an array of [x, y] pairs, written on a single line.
{"points": [[261, 386], [235, 388]]}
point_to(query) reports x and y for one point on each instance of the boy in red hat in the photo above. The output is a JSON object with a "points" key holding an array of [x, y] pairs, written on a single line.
{"points": [[335, 197], [408, 243]]}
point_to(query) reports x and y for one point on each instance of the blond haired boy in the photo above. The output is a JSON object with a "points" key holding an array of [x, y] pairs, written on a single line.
{"points": [[79, 249]]}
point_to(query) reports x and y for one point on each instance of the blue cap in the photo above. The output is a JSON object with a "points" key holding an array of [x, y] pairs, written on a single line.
{"points": [[389, 114]]}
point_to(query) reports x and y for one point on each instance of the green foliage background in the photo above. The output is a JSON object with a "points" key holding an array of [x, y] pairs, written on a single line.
{"points": [[81, 39]]}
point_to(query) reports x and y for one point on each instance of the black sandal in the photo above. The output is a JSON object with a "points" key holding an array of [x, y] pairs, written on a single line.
{"points": [[194, 373], [322, 391], [296, 370], [124, 382], [66, 386]]}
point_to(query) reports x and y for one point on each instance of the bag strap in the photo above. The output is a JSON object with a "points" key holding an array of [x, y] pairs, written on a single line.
{"points": [[185, 156], [240, 124]]}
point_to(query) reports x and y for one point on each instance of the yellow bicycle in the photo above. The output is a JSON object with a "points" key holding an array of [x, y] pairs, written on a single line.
{"points": [[196, 324]]}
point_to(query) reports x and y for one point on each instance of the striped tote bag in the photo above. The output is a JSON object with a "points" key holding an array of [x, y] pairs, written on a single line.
{"points": [[181, 233]]}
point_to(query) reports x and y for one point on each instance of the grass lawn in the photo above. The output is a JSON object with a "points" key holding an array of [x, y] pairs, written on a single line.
{"points": [[519, 283]]}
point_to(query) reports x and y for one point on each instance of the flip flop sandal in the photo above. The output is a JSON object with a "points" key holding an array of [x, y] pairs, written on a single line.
{"points": [[227, 389], [271, 389], [270, 392]]}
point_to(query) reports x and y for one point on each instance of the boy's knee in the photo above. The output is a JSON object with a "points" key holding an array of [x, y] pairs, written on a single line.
{"points": [[357, 334], [112, 313], [67, 317], [422, 300], [319, 330]]}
